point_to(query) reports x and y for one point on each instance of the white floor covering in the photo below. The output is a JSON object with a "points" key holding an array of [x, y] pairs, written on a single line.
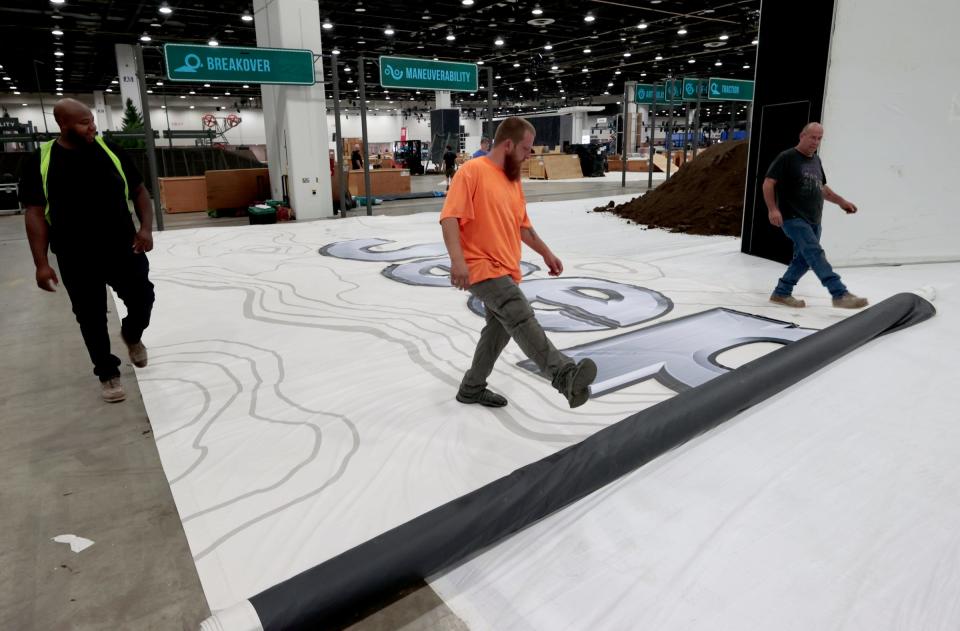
{"points": [[303, 404]]}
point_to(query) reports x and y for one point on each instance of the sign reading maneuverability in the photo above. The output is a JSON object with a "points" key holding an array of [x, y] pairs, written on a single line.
{"points": [[426, 74], [645, 93], [236, 64], [729, 89]]}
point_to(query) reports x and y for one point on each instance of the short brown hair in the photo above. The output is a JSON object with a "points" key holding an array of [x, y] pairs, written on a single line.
{"points": [[513, 128]]}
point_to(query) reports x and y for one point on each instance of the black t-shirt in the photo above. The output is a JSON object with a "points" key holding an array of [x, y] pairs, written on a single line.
{"points": [[450, 159], [800, 182], [88, 212], [356, 160]]}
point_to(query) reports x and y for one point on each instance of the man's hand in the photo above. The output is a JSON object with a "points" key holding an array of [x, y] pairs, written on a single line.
{"points": [[142, 241], [459, 275], [775, 217], [848, 207], [47, 278], [553, 264]]}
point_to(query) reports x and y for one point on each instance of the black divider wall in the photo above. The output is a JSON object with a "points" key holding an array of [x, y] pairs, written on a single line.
{"points": [[791, 76], [336, 592]]}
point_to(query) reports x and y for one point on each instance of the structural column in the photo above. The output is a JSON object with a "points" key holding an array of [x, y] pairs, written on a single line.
{"points": [[103, 117], [295, 117]]}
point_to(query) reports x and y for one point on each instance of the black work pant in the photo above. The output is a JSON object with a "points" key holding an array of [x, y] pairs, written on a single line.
{"points": [[85, 278]]}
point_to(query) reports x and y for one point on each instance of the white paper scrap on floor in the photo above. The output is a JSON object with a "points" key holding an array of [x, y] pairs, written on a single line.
{"points": [[304, 403]]}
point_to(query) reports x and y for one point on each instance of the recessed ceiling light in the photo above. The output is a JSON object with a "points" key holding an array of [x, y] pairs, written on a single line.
{"points": [[682, 31], [498, 41], [642, 25], [213, 42], [145, 38], [165, 9], [246, 17], [724, 37], [589, 17], [388, 30], [57, 32], [327, 24]]}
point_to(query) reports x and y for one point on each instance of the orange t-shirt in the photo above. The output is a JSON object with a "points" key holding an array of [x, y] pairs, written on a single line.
{"points": [[491, 211]]}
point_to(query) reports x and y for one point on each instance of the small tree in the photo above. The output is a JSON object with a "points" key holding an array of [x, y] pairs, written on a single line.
{"points": [[132, 122]]}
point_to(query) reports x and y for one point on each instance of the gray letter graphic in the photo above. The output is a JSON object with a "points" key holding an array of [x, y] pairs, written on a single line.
{"points": [[422, 272], [362, 250], [574, 307], [681, 353]]}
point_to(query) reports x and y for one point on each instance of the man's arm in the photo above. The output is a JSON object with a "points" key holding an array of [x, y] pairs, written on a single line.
{"points": [[459, 273], [143, 240], [770, 197], [830, 196], [532, 239], [38, 234]]}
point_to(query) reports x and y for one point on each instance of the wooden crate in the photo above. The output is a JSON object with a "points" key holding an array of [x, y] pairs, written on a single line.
{"points": [[382, 182], [562, 166], [237, 188], [183, 194], [535, 169]]}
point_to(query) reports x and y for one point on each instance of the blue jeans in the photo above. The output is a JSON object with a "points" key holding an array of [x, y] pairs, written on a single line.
{"points": [[807, 254]]}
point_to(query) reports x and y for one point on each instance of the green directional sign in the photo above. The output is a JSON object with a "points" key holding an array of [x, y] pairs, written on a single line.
{"points": [[645, 93], [673, 89], [235, 64], [729, 89], [426, 74], [690, 89]]}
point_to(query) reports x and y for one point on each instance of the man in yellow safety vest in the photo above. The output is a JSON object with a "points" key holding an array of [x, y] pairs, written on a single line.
{"points": [[76, 193]]}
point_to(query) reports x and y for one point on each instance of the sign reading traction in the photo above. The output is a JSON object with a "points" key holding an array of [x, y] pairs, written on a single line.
{"points": [[235, 64], [729, 89], [426, 74]]}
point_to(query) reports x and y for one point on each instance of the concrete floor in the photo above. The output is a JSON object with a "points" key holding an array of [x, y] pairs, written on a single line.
{"points": [[71, 464]]}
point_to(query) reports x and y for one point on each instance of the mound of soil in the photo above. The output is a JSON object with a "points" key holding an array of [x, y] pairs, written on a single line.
{"points": [[704, 197]]}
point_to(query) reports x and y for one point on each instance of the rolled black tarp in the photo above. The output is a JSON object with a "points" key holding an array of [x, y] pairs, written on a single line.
{"points": [[338, 591]]}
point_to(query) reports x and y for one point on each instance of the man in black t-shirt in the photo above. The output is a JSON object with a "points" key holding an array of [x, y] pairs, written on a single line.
{"points": [[356, 158], [794, 190], [75, 192], [449, 164]]}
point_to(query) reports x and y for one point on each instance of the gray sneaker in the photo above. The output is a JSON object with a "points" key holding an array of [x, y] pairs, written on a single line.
{"points": [[788, 301], [849, 301], [575, 382], [138, 354], [112, 390]]}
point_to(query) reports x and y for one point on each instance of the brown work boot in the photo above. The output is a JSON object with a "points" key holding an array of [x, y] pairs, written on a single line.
{"points": [[788, 301], [138, 353], [113, 390], [849, 301]]}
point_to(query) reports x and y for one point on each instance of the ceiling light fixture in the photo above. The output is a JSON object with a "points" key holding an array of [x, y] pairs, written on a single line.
{"points": [[145, 38], [388, 31], [466, 3], [536, 10], [327, 24], [682, 31], [451, 37], [57, 1], [114, 82], [724, 37], [165, 9], [642, 25], [755, 41], [246, 17], [247, 86], [335, 51], [57, 32], [746, 66], [516, 64], [587, 51], [718, 63], [213, 42], [498, 41], [58, 53], [627, 54], [585, 70], [691, 61], [658, 58], [192, 92], [159, 82], [109, 90], [589, 17]]}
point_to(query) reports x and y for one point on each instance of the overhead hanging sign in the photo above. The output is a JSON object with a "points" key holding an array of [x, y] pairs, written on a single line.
{"points": [[673, 90], [690, 89], [427, 74], [645, 93], [729, 89], [236, 64]]}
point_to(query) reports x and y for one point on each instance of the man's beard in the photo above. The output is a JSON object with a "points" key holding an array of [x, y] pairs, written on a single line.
{"points": [[75, 138], [511, 166]]}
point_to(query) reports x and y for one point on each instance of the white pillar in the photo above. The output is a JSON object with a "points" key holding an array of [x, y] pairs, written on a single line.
{"points": [[295, 119], [443, 99], [101, 112], [127, 75]]}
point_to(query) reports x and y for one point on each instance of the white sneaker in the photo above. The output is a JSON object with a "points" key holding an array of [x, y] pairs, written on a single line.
{"points": [[113, 390]]}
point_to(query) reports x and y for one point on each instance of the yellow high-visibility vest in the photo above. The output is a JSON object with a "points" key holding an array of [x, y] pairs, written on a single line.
{"points": [[45, 151]]}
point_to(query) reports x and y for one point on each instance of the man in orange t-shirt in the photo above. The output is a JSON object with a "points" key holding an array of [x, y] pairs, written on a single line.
{"points": [[484, 219]]}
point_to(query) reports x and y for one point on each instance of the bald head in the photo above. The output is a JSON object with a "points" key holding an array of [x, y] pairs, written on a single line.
{"points": [[810, 137], [76, 122]]}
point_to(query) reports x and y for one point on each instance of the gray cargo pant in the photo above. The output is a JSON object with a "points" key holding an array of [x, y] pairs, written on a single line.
{"points": [[509, 315]]}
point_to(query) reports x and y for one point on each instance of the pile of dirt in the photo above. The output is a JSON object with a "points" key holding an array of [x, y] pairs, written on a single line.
{"points": [[704, 197]]}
